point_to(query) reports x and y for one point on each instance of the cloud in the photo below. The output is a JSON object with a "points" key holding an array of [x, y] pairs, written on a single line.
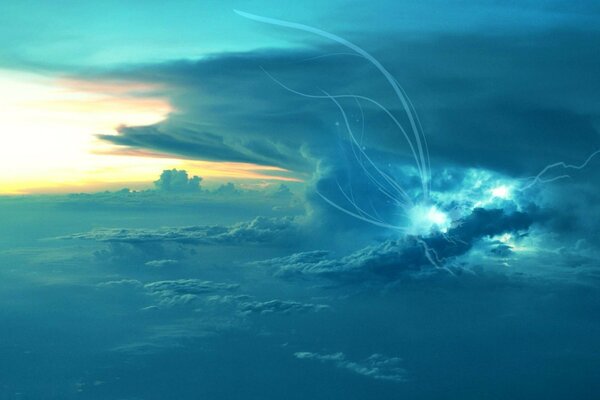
{"points": [[375, 366], [278, 307], [228, 189], [181, 292], [161, 263], [405, 256], [259, 230], [178, 140], [485, 113], [187, 286], [509, 103], [245, 304], [177, 181], [228, 299], [489, 103], [133, 283], [171, 293], [384, 261], [282, 191]]}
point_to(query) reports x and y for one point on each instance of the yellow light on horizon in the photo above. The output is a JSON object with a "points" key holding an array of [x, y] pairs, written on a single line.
{"points": [[48, 131]]}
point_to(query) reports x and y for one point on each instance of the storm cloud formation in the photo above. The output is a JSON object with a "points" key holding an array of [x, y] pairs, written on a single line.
{"points": [[486, 287], [509, 102], [484, 80], [503, 103], [394, 259]]}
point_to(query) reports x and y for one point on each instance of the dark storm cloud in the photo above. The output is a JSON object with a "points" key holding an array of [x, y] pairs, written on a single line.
{"points": [[510, 102], [180, 141], [506, 101], [489, 222], [408, 256], [228, 109]]}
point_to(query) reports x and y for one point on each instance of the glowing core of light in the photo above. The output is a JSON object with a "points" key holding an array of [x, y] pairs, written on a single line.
{"points": [[502, 192], [428, 219]]}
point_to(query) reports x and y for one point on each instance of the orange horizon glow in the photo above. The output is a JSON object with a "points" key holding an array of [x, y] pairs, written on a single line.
{"points": [[50, 127]]}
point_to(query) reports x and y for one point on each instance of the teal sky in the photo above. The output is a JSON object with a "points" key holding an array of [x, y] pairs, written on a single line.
{"points": [[109, 32], [99, 34]]}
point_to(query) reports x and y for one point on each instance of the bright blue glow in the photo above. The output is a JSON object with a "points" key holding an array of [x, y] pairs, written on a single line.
{"points": [[502, 192], [425, 220]]}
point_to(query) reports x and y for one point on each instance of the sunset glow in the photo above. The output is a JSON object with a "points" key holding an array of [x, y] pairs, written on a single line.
{"points": [[50, 143]]}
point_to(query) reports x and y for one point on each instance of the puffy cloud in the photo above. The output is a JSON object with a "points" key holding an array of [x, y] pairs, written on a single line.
{"points": [[375, 366], [227, 189], [282, 191], [177, 181]]}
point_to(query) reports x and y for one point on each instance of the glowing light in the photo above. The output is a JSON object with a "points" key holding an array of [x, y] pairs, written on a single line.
{"points": [[379, 178], [437, 217], [428, 219], [502, 192]]}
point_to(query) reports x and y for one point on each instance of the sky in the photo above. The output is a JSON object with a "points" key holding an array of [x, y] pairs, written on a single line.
{"points": [[325, 200]]}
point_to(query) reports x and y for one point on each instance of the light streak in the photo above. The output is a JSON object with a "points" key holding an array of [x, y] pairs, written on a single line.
{"points": [[414, 136], [539, 178]]}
